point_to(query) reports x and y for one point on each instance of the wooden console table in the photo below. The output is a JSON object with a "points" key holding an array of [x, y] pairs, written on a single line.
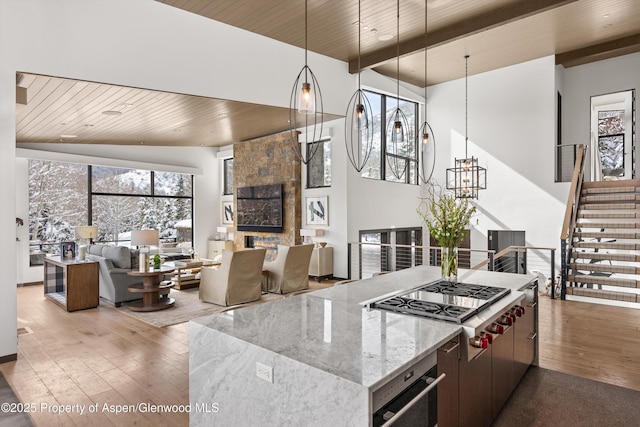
{"points": [[150, 289], [72, 284]]}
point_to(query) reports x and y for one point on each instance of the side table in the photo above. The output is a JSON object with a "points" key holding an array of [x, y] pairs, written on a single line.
{"points": [[150, 289], [321, 263], [71, 284]]}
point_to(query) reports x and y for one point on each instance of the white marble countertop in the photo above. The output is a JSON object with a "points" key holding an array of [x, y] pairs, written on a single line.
{"points": [[332, 331]]}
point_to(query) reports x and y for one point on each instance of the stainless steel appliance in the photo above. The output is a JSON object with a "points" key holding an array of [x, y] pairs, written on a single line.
{"points": [[474, 306], [409, 399]]}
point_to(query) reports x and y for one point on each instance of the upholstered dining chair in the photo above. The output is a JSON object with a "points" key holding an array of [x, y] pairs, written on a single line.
{"points": [[289, 271], [237, 280]]}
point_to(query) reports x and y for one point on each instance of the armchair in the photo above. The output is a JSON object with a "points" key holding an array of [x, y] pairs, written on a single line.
{"points": [[237, 280], [289, 271]]}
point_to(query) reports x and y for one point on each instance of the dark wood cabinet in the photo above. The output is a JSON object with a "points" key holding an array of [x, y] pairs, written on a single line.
{"points": [[448, 356], [74, 285], [526, 334], [502, 370], [475, 390]]}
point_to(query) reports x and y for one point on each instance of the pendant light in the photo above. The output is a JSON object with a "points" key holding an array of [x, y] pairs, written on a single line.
{"points": [[426, 138], [466, 177], [398, 137], [305, 108], [358, 128]]}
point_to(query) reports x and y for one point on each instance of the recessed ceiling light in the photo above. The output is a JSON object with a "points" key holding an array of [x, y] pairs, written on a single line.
{"points": [[126, 104], [385, 37], [88, 125], [68, 136], [112, 113]]}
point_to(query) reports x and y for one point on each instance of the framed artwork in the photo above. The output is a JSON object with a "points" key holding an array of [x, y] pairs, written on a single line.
{"points": [[317, 210], [227, 212], [67, 251]]}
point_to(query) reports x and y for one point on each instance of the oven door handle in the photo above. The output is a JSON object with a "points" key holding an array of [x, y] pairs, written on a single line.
{"points": [[414, 401]]}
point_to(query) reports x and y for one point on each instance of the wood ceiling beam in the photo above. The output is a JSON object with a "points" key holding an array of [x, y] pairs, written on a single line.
{"points": [[460, 30], [598, 52]]}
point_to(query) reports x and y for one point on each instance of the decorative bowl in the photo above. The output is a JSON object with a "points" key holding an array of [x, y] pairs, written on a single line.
{"points": [[322, 244]]}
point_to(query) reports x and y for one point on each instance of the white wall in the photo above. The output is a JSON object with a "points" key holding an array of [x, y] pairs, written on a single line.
{"points": [[138, 43], [511, 129], [585, 81]]}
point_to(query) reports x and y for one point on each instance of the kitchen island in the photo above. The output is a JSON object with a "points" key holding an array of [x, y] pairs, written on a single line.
{"points": [[316, 358]]}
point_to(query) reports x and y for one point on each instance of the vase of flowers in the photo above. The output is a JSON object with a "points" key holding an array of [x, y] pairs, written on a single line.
{"points": [[447, 219]]}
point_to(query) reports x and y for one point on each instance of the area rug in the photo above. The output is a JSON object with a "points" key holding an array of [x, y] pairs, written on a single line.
{"points": [[548, 398], [11, 416], [188, 306]]}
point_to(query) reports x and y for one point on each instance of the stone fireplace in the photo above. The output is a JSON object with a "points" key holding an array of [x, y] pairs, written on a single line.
{"points": [[263, 161]]}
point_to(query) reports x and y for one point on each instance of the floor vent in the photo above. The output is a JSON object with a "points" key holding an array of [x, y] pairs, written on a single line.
{"points": [[24, 331]]}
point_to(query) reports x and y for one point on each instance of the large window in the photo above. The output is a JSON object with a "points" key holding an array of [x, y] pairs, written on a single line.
{"points": [[228, 177], [63, 196], [405, 157], [319, 167]]}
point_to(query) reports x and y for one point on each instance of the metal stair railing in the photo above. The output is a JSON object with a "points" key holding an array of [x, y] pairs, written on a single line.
{"points": [[367, 259], [570, 217]]}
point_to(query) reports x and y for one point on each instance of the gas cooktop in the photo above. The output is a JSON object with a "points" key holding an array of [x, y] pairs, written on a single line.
{"points": [[444, 300]]}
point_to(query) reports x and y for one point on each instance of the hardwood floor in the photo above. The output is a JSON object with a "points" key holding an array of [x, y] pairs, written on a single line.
{"points": [[101, 356], [97, 356], [593, 341]]}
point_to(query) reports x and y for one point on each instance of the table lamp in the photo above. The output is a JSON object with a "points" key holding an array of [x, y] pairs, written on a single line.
{"points": [[84, 234], [308, 233], [143, 239]]}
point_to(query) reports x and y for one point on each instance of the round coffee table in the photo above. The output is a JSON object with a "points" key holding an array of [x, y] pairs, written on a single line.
{"points": [[150, 289]]}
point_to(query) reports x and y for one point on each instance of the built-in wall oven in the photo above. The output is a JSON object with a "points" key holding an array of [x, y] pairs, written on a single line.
{"points": [[410, 399]]}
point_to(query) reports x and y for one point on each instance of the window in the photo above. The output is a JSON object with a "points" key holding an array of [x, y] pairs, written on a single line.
{"points": [[389, 250], [613, 148], [228, 177], [377, 166], [611, 142], [319, 167], [57, 203], [117, 200]]}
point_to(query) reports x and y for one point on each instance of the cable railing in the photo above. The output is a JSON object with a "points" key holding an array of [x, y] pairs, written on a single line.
{"points": [[366, 259]]}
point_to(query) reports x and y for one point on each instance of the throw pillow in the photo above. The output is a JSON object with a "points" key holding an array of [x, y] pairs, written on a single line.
{"points": [[135, 260], [119, 255]]}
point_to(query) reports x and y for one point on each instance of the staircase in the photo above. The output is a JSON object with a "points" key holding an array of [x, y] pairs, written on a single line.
{"points": [[604, 253]]}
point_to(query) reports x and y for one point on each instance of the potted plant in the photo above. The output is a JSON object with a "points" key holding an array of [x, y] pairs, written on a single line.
{"points": [[447, 219], [156, 261]]}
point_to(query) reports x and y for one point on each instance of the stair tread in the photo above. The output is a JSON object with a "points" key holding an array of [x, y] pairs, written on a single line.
{"points": [[608, 206], [605, 268], [601, 280], [606, 256], [611, 215], [611, 184], [604, 294], [615, 197], [607, 245], [609, 225], [610, 190], [606, 235]]}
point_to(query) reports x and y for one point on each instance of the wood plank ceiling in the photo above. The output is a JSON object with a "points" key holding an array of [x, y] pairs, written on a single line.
{"points": [[56, 109], [496, 33]]}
